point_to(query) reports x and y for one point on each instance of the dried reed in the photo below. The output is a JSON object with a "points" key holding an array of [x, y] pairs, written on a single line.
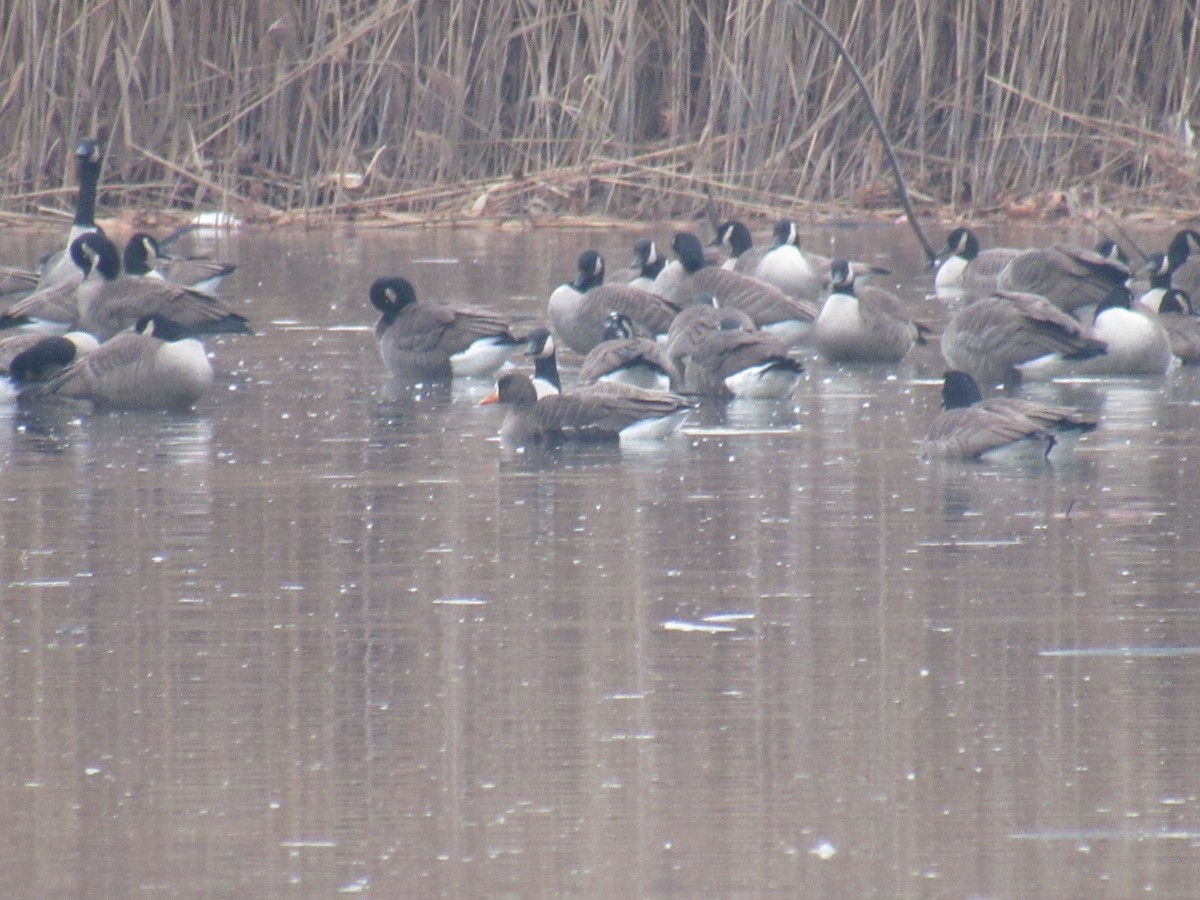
{"points": [[540, 108]]}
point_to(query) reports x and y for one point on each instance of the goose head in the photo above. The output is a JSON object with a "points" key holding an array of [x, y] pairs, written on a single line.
{"points": [[390, 295]]}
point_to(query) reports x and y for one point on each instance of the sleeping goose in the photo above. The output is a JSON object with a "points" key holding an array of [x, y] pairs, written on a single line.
{"points": [[577, 309], [1134, 344], [970, 427], [993, 336], [733, 360], [1069, 277], [772, 310], [429, 340], [863, 324], [157, 364], [962, 266], [109, 302], [625, 358], [599, 412], [38, 357]]}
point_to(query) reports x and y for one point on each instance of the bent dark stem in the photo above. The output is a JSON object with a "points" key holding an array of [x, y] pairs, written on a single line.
{"points": [[901, 187]]}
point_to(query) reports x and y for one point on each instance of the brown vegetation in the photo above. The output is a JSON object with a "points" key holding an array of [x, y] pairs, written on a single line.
{"points": [[539, 108]]}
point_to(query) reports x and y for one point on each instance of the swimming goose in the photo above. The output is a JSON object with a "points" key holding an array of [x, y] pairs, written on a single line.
{"points": [[1134, 344], [422, 339], [994, 335], [963, 266], [143, 256], [771, 309], [734, 238], [1157, 275], [109, 303], [598, 412], [732, 360], [157, 364], [539, 346], [863, 324], [58, 267], [970, 427], [1069, 277], [1183, 261], [577, 310], [643, 268], [624, 358], [799, 272], [1175, 315]]}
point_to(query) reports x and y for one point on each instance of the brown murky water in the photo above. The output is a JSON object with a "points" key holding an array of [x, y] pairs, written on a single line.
{"points": [[323, 636]]}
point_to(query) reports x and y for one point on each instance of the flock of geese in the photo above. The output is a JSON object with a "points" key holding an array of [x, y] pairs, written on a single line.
{"points": [[723, 320]]}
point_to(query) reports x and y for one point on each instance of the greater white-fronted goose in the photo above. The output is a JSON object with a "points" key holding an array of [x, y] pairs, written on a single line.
{"points": [[157, 364], [625, 358], [970, 427], [577, 310], [429, 340], [992, 337], [863, 323], [599, 412]]}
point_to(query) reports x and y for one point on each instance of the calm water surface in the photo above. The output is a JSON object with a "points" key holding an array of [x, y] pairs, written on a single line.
{"points": [[324, 636]]}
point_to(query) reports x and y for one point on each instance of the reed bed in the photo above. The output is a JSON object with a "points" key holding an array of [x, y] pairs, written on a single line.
{"points": [[406, 109]]}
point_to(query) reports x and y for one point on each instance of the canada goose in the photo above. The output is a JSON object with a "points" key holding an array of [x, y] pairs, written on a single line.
{"points": [[1110, 249], [1069, 277], [539, 346], [863, 324], [772, 310], [970, 427], [993, 335], [109, 303], [16, 283], [577, 310], [1182, 326], [157, 364], [643, 268], [735, 240], [29, 358], [963, 266], [1134, 344], [1183, 261], [604, 411], [695, 321], [625, 358], [666, 283], [649, 263], [734, 361], [795, 271], [1157, 272], [421, 339], [56, 351], [142, 256], [58, 267]]}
